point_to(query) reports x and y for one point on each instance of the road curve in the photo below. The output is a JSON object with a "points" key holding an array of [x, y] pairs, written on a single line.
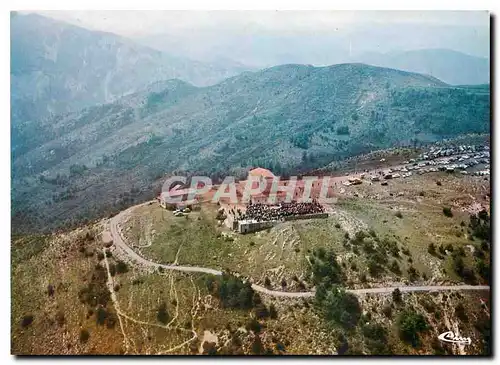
{"points": [[120, 242]]}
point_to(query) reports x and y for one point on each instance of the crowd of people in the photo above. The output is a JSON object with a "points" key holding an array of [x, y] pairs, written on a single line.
{"points": [[263, 212]]}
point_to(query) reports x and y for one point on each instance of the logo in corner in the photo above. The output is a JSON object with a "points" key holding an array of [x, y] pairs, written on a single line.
{"points": [[450, 337]]}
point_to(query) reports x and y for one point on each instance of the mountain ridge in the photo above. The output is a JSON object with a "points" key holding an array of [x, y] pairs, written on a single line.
{"points": [[286, 118], [58, 67], [453, 67]]}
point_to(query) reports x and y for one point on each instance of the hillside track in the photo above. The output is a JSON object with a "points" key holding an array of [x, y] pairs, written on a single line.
{"points": [[121, 244]]}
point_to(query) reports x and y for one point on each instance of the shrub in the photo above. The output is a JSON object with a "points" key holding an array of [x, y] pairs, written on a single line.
{"points": [[374, 268], [438, 183], [261, 311], [375, 337], [162, 315], [337, 225], [60, 318], [84, 335], [412, 273], [253, 325], [431, 248], [447, 212], [396, 295], [338, 306], [387, 311], [267, 282], [483, 269], [410, 324], [112, 269], [458, 265], [273, 313], [428, 305], [100, 256], [27, 320], [101, 315], [50, 290], [257, 346], [231, 291], [399, 215], [460, 312], [283, 282], [395, 267], [326, 268], [96, 292], [343, 130], [121, 267], [111, 321]]}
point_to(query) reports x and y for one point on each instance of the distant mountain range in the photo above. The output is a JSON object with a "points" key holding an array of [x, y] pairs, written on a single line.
{"points": [[452, 67], [265, 50], [285, 118], [57, 67]]}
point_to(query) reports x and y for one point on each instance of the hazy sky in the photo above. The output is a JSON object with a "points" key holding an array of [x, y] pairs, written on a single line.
{"points": [[134, 23], [266, 38]]}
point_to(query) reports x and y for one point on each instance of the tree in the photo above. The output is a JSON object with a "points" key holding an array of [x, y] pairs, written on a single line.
{"points": [[376, 339], [267, 282], [326, 268], [338, 306], [162, 316], [121, 267], [231, 291], [396, 295], [410, 324]]}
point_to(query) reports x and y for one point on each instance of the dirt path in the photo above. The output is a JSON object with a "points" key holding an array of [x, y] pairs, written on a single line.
{"points": [[122, 245]]}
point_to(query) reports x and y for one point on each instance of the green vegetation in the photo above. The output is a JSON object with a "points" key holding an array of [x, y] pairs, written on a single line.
{"points": [[396, 295], [376, 339], [121, 267], [231, 291], [343, 130], [480, 226], [411, 324], [311, 136], [84, 335], [325, 268], [337, 306], [447, 212], [162, 316]]}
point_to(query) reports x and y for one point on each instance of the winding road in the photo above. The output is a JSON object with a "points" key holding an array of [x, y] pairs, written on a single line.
{"points": [[120, 243]]}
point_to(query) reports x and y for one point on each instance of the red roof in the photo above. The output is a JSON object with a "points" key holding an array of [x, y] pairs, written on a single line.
{"points": [[259, 171]]}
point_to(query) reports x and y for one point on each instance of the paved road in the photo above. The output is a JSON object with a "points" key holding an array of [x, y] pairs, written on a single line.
{"points": [[120, 242]]}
